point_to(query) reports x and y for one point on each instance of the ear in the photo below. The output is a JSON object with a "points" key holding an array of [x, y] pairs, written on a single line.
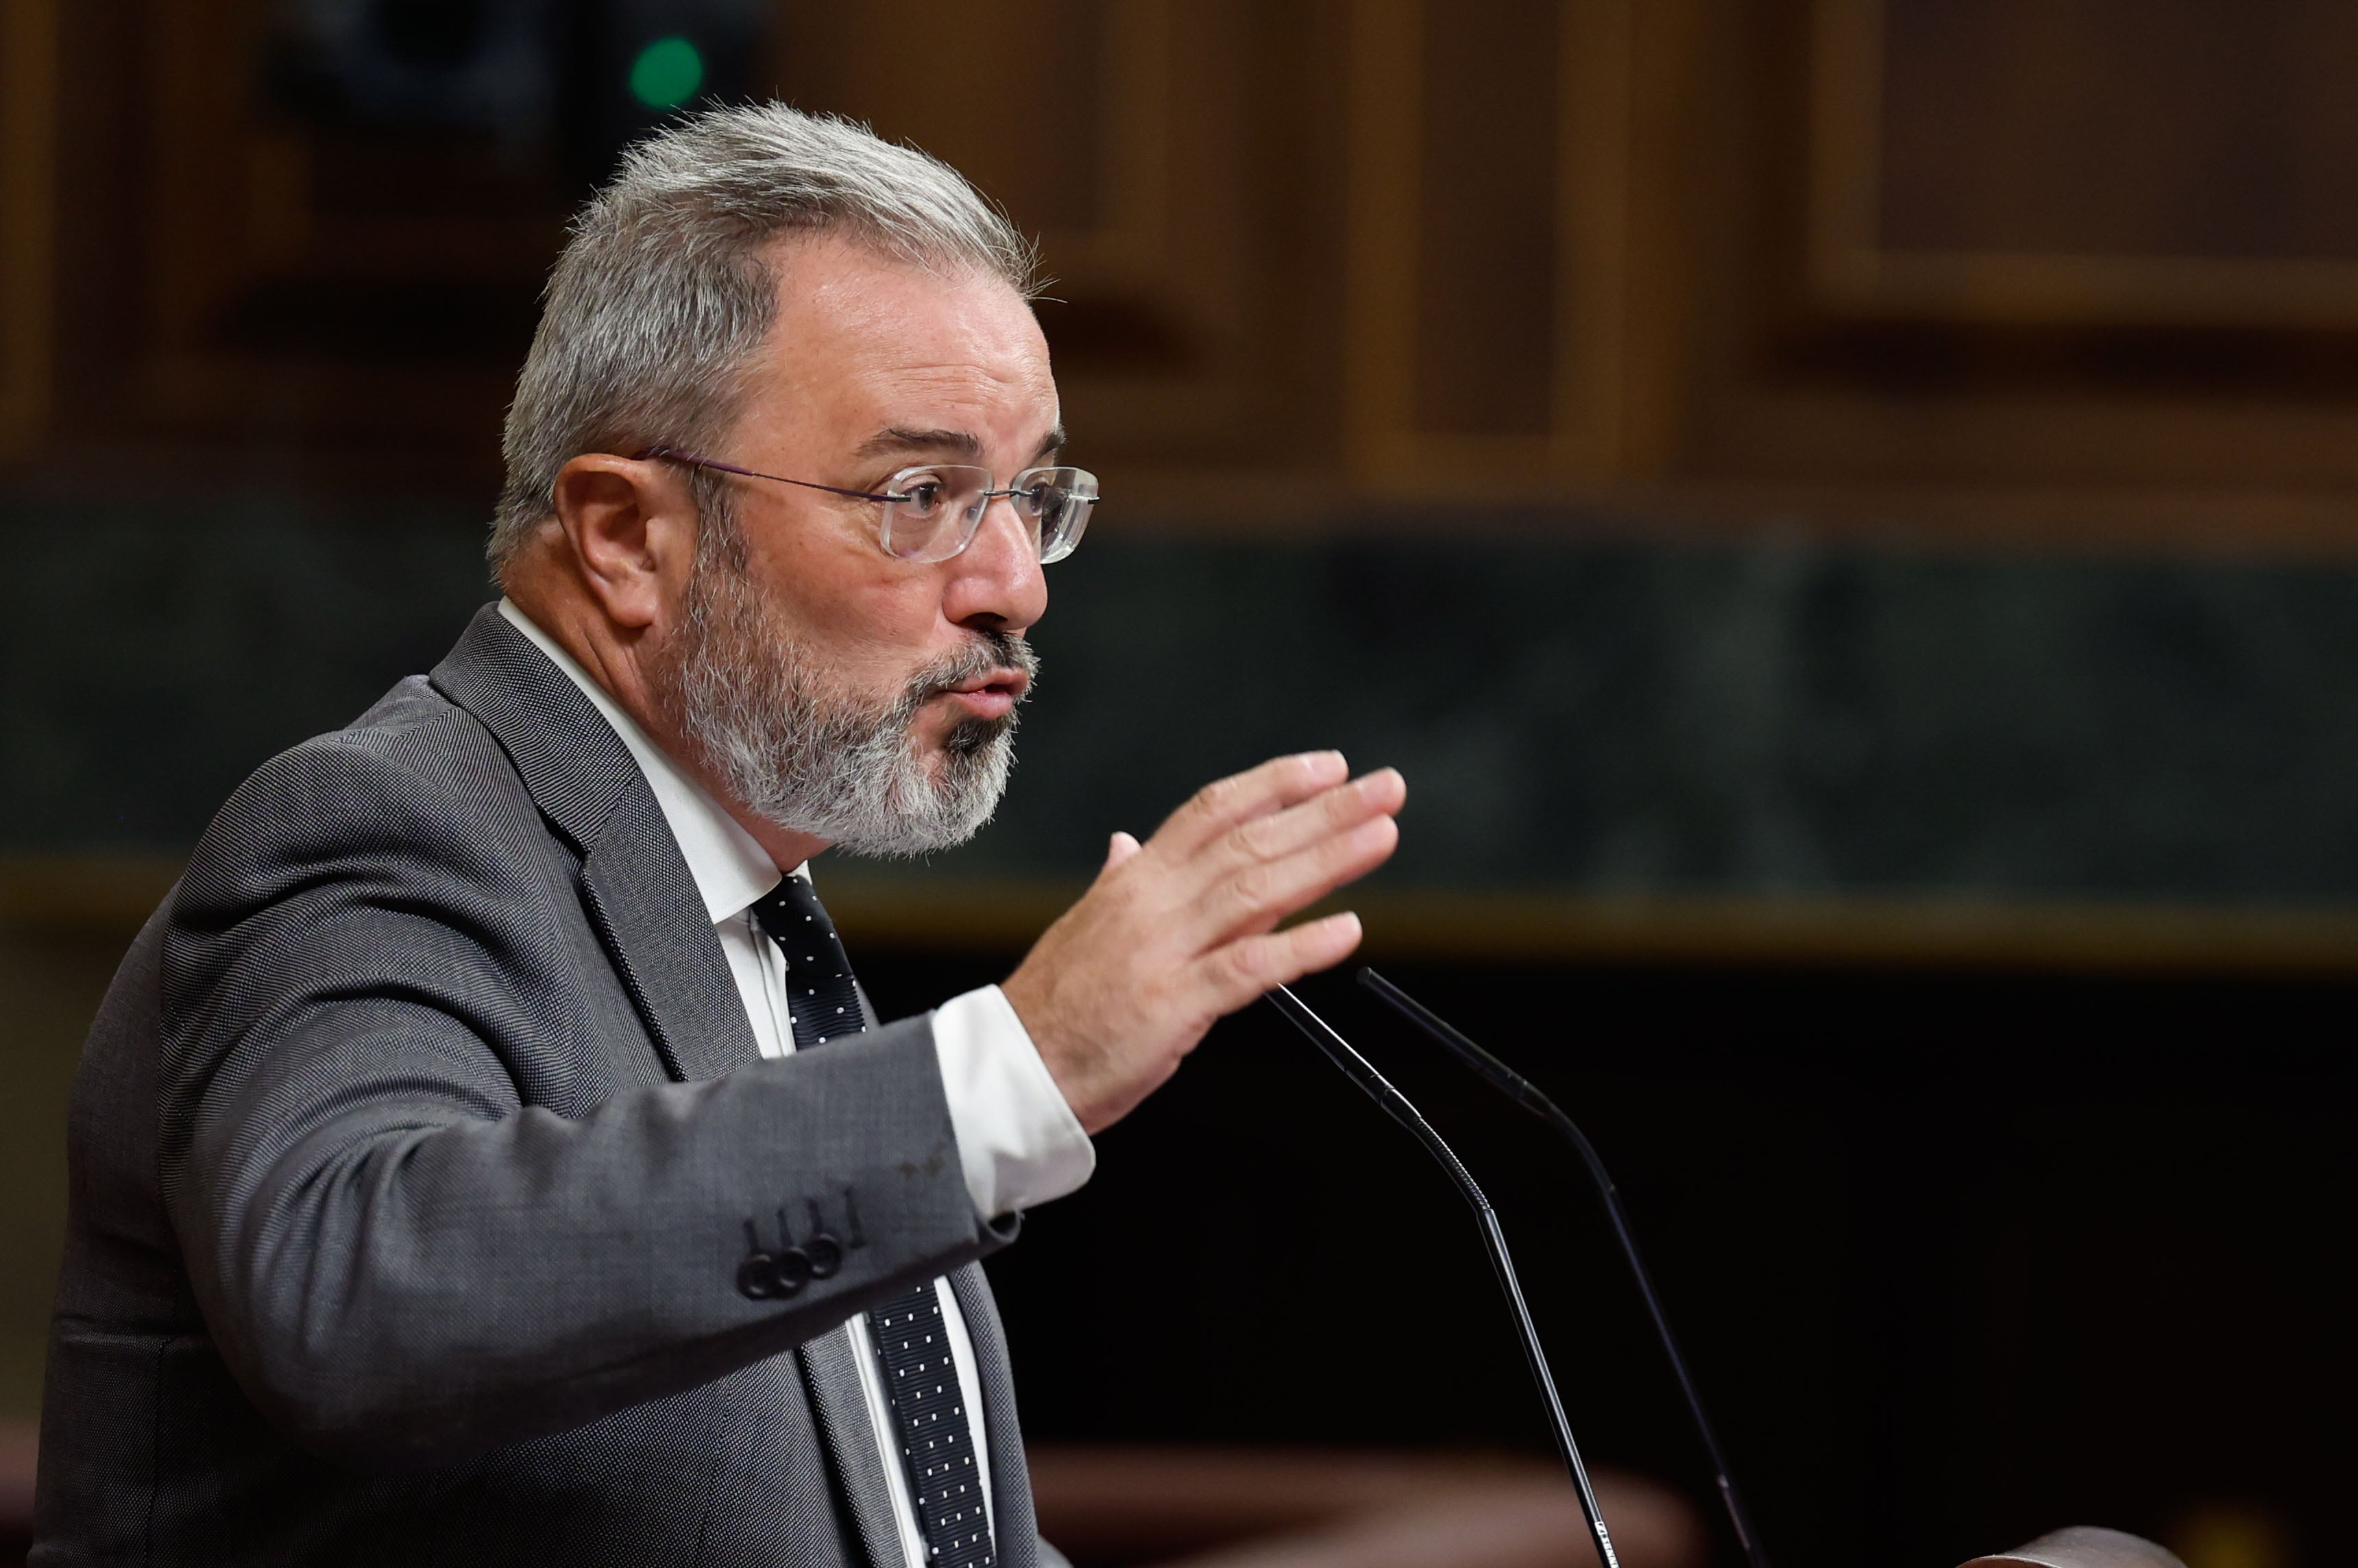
{"points": [[629, 535]]}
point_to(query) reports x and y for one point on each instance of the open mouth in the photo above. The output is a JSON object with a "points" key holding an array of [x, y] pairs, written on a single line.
{"points": [[992, 695]]}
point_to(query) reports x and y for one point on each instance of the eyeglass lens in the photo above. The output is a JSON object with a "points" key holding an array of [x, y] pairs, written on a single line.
{"points": [[936, 511]]}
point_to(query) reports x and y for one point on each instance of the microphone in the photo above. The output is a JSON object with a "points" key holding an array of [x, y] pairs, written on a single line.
{"points": [[1362, 1072], [1524, 1092]]}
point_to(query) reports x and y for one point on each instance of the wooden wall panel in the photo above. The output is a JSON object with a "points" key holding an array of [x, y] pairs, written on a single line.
{"points": [[2058, 270], [1488, 264], [1832, 371], [2088, 161], [245, 289], [1148, 145], [1487, 170], [28, 196], [1029, 98], [334, 284]]}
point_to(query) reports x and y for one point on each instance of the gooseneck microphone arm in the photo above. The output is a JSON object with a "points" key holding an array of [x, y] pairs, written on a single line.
{"points": [[1524, 1092], [1362, 1072]]}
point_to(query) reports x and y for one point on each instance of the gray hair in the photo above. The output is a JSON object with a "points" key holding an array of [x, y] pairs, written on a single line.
{"points": [[663, 296]]}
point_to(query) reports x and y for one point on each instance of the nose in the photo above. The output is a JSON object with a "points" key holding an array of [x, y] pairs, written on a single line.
{"points": [[996, 580]]}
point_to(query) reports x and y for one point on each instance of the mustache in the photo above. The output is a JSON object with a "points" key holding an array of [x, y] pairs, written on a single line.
{"points": [[989, 652], [986, 651]]}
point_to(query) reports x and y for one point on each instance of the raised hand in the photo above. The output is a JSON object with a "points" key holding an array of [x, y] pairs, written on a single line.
{"points": [[1182, 929]]}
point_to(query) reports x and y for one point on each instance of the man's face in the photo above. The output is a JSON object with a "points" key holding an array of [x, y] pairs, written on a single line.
{"points": [[841, 690], [873, 367]]}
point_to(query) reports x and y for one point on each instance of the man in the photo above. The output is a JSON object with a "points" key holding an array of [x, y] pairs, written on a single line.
{"points": [[485, 1153]]}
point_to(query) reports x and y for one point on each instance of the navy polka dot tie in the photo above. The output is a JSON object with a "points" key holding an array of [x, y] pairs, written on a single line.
{"points": [[911, 1338], [929, 1414], [822, 1000]]}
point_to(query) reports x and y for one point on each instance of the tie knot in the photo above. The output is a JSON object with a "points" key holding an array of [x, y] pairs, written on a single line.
{"points": [[792, 913], [822, 999]]}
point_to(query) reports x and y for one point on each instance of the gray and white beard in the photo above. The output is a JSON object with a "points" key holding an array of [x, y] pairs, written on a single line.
{"points": [[747, 694]]}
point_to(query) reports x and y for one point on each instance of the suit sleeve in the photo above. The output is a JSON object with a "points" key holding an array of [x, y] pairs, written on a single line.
{"points": [[1018, 1138], [406, 1256]]}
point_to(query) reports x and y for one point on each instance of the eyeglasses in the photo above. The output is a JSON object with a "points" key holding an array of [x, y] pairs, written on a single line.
{"points": [[933, 512]]}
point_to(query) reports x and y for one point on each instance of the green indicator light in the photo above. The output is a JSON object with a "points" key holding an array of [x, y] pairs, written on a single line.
{"points": [[667, 73]]}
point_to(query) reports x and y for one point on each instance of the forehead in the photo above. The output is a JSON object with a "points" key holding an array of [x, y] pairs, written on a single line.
{"points": [[861, 342]]}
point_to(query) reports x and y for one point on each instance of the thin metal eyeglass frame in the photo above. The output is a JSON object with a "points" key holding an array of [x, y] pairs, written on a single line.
{"points": [[691, 460]]}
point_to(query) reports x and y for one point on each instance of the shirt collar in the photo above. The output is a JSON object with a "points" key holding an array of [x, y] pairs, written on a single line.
{"points": [[731, 870]]}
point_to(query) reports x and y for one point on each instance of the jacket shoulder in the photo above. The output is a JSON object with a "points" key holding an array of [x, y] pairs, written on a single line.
{"points": [[414, 781], [412, 702]]}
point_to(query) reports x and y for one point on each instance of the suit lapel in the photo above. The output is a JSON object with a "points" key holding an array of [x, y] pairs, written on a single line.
{"points": [[641, 895], [840, 1400], [644, 902], [568, 755], [634, 881], [1011, 1478]]}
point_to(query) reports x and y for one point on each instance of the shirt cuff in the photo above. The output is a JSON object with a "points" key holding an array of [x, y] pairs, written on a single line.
{"points": [[1019, 1143]]}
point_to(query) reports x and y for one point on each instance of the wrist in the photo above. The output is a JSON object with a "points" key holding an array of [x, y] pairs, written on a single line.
{"points": [[1028, 998]]}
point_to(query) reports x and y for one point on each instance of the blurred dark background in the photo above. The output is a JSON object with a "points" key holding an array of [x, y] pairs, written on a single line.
{"points": [[1843, 509]]}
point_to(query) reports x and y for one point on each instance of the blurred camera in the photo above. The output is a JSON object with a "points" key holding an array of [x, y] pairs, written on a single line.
{"points": [[580, 80]]}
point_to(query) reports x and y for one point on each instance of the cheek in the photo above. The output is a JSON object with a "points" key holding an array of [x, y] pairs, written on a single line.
{"points": [[895, 621], [872, 617], [877, 633]]}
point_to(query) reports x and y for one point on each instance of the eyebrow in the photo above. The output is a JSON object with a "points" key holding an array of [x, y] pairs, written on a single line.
{"points": [[900, 439], [964, 443]]}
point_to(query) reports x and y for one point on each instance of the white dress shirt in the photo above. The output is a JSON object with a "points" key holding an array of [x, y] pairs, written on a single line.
{"points": [[1019, 1143]]}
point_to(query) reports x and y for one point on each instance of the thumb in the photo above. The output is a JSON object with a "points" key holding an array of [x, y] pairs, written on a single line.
{"points": [[1121, 848]]}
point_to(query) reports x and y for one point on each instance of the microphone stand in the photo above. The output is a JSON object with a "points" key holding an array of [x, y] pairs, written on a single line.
{"points": [[1362, 1072], [1524, 1092]]}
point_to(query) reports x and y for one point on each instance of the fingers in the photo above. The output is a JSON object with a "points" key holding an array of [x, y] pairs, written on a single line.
{"points": [[1237, 973], [1332, 811], [1265, 869], [1274, 860], [1183, 930], [1255, 897], [1272, 787]]}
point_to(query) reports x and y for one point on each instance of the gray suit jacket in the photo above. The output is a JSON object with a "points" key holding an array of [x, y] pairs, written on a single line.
{"points": [[414, 1153]]}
